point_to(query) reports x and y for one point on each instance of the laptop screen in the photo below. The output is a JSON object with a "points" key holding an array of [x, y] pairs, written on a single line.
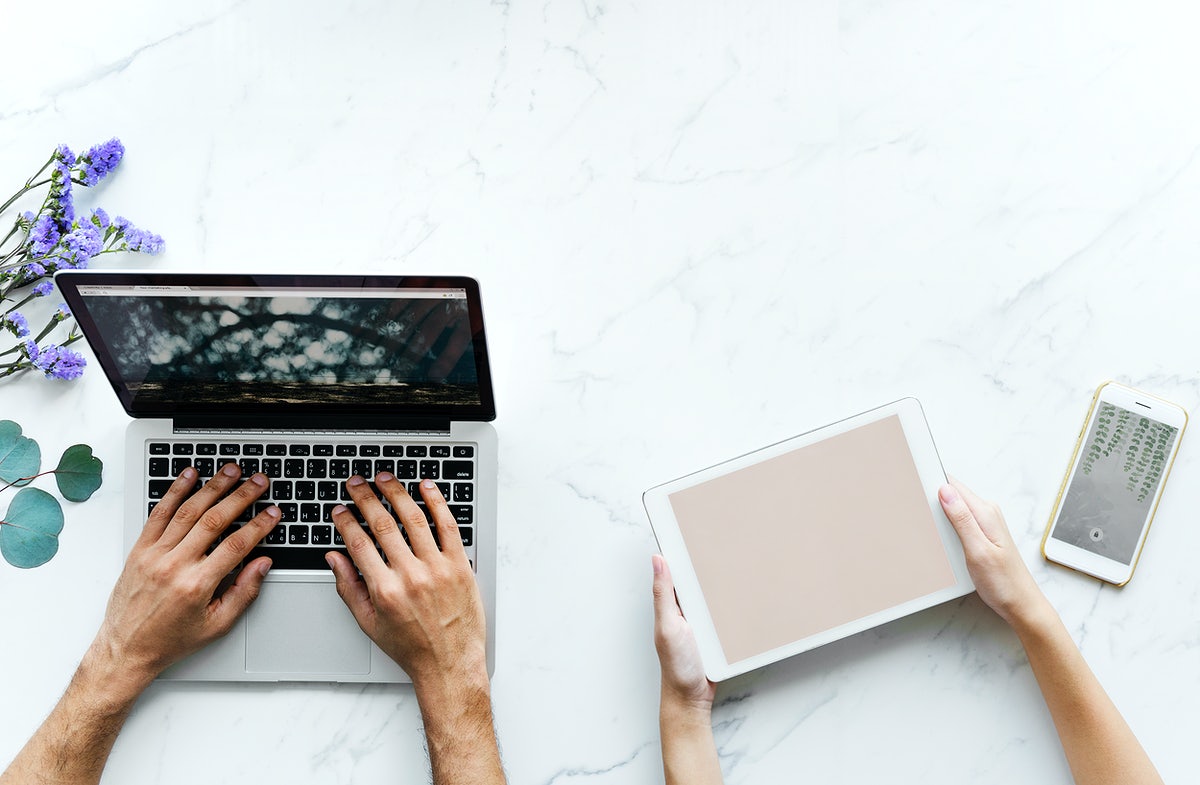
{"points": [[212, 343]]}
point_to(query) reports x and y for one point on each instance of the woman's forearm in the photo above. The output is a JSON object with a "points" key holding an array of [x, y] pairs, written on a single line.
{"points": [[688, 749]]}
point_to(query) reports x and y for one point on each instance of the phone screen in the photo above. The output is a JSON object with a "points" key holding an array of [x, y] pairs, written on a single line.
{"points": [[1115, 484]]}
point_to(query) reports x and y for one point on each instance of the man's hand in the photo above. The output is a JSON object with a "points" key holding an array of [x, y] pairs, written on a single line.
{"points": [[165, 605], [422, 607]]}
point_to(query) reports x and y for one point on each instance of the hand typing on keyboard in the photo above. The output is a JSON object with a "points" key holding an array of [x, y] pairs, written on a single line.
{"points": [[422, 607]]}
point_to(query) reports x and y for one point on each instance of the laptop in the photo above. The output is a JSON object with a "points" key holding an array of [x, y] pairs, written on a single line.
{"points": [[310, 379]]}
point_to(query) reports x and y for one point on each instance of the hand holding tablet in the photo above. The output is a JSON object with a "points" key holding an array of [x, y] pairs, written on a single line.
{"points": [[857, 538]]}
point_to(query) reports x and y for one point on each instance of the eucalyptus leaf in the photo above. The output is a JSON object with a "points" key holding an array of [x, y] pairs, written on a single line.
{"points": [[29, 530], [20, 456], [78, 473]]}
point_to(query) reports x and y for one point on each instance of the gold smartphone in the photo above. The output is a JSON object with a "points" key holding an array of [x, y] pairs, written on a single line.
{"points": [[1111, 491]]}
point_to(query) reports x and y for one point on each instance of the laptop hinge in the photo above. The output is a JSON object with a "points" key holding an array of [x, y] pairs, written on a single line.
{"points": [[309, 423]]}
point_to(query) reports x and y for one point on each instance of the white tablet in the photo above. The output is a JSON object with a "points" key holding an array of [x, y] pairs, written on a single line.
{"points": [[810, 540]]}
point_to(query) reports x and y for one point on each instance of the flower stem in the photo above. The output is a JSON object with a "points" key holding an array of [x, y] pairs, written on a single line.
{"points": [[29, 184]]}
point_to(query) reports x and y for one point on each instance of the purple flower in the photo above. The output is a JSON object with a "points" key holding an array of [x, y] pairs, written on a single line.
{"points": [[62, 202], [64, 154], [97, 162], [100, 218], [31, 350], [44, 288], [16, 324], [81, 244], [33, 270], [44, 235], [57, 362], [63, 312], [135, 239]]}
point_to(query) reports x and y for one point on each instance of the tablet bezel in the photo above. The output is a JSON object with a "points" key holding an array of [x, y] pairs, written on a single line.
{"points": [[687, 587]]}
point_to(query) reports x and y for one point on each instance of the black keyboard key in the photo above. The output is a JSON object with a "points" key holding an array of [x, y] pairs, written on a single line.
{"points": [[159, 467], [182, 449], [463, 514], [327, 512], [298, 449], [414, 490], [297, 535], [205, 467], [347, 450], [458, 470], [344, 492], [306, 490], [272, 467], [430, 470], [277, 536], [179, 464], [281, 490], [316, 468], [337, 538], [468, 535], [357, 513], [385, 465], [150, 507], [361, 468], [339, 468], [464, 492], [369, 450], [444, 490], [252, 449], [322, 449], [229, 449], [249, 466], [208, 448], [464, 451], [406, 470], [439, 451], [289, 512], [327, 490], [393, 450], [310, 513], [261, 507], [417, 451], [293, 468], [160, 448], [322, 535], [276, 449]]}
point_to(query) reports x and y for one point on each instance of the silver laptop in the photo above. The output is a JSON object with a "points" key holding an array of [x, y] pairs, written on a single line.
{"points": [[309, 379]]}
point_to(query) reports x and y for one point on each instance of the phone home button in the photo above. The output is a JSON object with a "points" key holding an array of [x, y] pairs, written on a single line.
{"points": [[1096, 534]]}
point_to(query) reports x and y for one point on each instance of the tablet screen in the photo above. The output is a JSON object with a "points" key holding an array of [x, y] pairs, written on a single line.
{"points": [[812, 539]]}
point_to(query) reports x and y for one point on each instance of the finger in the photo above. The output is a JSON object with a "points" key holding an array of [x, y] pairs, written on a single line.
{"points": [[217, 518], [447, 527], [452, 352], [383, 525], [665, 605], [190, 511], [226, 609], [359, 544], [162, 513], [352, 588], [420, 538], [960, 516], [236, 546], [987, 515]]}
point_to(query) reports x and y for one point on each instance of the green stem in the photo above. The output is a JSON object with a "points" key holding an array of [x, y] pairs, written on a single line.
{"points": [[23, 481], [30, 184], [28, 297]]}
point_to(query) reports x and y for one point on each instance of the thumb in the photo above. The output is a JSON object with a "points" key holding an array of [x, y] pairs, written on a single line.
{"points": [[959, 514], [237, 598], [664, 590]]}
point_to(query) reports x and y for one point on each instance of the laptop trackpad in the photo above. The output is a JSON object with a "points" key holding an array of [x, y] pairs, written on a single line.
{"points": [[304, 628]]}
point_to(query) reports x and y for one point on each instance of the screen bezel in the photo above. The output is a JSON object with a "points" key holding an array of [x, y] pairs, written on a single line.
{"points": [[69, 282], [1072, 556], [688, 590]]}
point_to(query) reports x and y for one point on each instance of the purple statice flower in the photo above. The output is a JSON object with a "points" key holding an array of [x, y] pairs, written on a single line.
{"points": [[81, 244], [44, 288], [63, 312], [44, 235], [33, 270], [16, 324], [31, 350], [64, 154], [100, 218], [62, 201], [57, 362], [97, 162], [135, 239]]}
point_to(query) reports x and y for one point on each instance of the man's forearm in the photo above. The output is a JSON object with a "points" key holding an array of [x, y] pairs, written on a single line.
{"points": [[1099, 745], [72, 745], [688, 750], [461, 733]]}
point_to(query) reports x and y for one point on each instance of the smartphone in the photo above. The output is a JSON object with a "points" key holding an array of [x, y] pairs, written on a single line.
{"points": [[1107, 500]]}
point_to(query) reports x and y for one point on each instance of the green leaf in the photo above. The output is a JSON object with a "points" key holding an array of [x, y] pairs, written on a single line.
{"points": [[29, 531], [78, 473], [20, 456]]}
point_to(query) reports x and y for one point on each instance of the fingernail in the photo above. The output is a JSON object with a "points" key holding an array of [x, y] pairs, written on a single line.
{"points": [[231, 470], [329, 560], [383, 477], [947, 494], [427, 484], [656, 560], [273, 511], [338, 510], [259, 480], [189, 473], [355, 480], [264, 568]]}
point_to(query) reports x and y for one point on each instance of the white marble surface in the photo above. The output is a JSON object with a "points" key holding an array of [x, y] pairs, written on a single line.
{"points": [[699, 227]]}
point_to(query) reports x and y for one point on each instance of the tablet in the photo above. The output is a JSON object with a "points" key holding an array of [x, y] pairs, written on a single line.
{"points": [[810, 540]]}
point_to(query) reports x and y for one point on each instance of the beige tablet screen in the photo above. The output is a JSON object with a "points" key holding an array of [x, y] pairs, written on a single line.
{"points": [[812, 539]]}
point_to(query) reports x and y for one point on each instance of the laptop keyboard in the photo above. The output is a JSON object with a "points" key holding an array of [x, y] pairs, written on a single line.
{"points": [[308, 479]]}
